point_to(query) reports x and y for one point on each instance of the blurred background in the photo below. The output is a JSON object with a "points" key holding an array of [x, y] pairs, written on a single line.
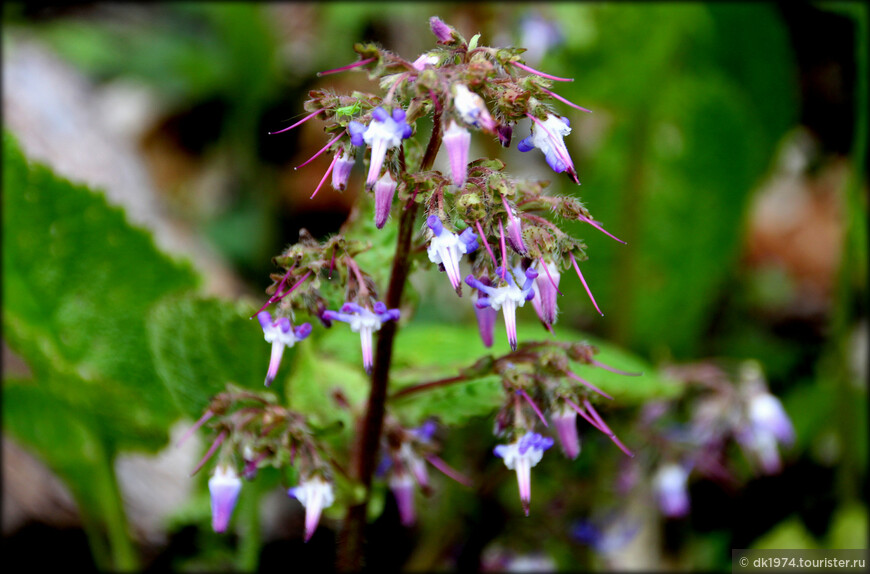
{"points": [[727, 146]]}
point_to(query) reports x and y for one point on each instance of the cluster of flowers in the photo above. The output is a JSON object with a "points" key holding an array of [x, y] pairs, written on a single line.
{"points": [[265, 434], [466, 88], [746, 413]]}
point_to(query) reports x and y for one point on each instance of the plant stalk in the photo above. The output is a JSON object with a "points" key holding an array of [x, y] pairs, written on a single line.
{"points": [[352, 536]]}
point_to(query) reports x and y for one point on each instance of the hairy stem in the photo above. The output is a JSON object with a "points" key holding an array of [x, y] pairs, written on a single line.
{"points": [[352, 536]]}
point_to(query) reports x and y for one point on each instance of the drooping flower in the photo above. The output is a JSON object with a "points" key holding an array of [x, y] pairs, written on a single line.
{"points": [[385, 189], [472, 109], [506, 298], [224, 487], [281, 334], [486, 316], [565, 421], [521, 456], [427, 59], [384, 132], [505, 131], [441, 30], [457, 141], [341, 172], [548, 136], [768, 426], [447, 248], [402, 486], [365, 323], [315, 494], [672, 494], [514, 228], [546, 288]]}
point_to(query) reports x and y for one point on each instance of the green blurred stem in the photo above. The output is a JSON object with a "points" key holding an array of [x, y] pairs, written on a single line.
{"points": [[250, 536], [123, 553], [851, 283], [630, 225]]}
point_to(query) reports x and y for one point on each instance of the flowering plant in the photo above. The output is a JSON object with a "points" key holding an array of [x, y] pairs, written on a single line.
{"points": [[505, 229]]}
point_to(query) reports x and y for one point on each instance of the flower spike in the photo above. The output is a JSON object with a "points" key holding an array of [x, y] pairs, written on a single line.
{"points": [[281, 334], [365, 323], [447, 248], [315, 494], [521, 456]]}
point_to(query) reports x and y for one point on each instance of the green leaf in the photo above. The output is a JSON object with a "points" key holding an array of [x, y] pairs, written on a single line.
{"points": [[78, 282], [848, 528], [200, 345], [687, 122], [430, 351], [68, 442], [790, 534]]}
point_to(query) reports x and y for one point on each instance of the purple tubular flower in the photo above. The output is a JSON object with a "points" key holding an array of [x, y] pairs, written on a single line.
{"points": [[472, 109], [315, 494], [384, 132], [457, 140], [565, 421], [365, 323], [546, 288], [224, 487], [486, 316], [402, 486], [671, 490], [548, 137], [281, 334], [425, 60], [768, 425], [506, 298], [447, 249], [343, 166], [521, 456], [441, 30], [385, 189], [426, 431], [416, 464]]}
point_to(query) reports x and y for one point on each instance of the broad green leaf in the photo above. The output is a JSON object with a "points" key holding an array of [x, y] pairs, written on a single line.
{"points": [[68, 442], [78, 284], [315, 376], [430, 351], [790, 534], [200, 345]]}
